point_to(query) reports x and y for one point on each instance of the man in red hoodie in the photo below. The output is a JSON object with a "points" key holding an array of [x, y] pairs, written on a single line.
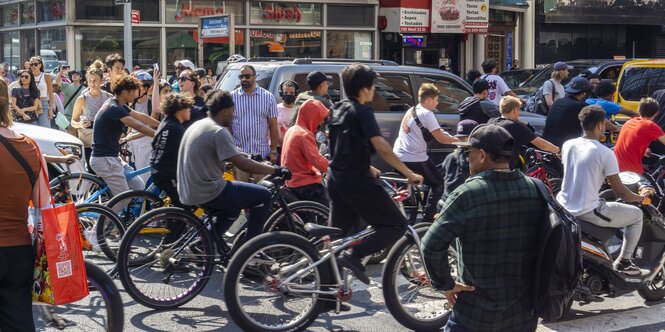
{"points": [[300, 153]]}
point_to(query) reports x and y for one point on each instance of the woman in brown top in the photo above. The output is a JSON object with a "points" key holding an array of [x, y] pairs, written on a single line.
{"points": [[16, 252]]}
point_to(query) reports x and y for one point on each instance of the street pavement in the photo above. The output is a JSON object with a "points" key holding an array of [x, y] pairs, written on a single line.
{"points": [[207, 312]]}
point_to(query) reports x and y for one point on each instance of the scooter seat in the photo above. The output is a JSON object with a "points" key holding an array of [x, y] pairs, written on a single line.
{"points": [[602, 234], [320, 231]]}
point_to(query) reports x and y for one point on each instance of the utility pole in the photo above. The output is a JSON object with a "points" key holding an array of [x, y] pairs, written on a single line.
{"points": [[127, 31]]}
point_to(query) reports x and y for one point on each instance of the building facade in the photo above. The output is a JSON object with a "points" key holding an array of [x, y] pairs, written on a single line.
{"points": [[80, 31]]}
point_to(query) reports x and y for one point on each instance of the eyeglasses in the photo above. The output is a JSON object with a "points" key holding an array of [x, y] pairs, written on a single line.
{"points": [[35, 64], [183, 78], [245, 76], [25, 76]]}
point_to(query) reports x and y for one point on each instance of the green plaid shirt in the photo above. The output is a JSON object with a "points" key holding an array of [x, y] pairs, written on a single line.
{"points": [[496, 218]]}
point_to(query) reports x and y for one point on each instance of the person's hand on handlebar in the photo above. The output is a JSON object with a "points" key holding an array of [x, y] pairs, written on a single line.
{"points": [[414, 178], [375, 171]]}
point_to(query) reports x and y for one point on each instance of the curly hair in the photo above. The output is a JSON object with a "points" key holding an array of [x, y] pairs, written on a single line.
{"points": [[124, 83], [175, 103]]}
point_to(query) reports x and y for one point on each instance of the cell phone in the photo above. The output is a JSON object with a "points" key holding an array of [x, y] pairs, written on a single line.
{"points": [[155, 66]]}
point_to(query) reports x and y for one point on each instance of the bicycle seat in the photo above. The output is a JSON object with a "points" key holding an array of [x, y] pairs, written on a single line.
{"points": [[319, 231]]}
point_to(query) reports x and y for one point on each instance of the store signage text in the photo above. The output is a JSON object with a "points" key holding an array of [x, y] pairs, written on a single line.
{"points": [[460, 16], [191, 10], [414, 20], [271, 35], [415, 41], [280, 12]]}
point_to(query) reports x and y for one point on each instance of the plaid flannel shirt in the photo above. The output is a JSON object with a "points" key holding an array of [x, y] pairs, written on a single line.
{"points": [[496, 218]]}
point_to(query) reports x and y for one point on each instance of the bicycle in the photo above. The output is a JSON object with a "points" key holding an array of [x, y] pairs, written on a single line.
{"points": [[101, 310], [286, 279], [540, 165], [155, 251]]}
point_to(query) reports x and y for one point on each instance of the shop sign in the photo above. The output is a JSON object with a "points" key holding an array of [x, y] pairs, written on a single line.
{"points": [[216, 26], [414, 20], [415, 41], [285, 13], [460, 16]]}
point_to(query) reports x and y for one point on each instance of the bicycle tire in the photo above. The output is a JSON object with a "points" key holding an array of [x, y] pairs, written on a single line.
{"points": [[106, 217], [261, 243], [391, 270], [82, 185], [110, 293], [551, 172], [136, 204], [125, 263], [278, 221]]}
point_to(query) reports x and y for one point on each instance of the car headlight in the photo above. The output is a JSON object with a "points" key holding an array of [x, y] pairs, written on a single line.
{"points": [[69, 148]]}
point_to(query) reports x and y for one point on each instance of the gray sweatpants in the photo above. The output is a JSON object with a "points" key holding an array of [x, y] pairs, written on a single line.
{"points": [[112, 170], [620, 215]]}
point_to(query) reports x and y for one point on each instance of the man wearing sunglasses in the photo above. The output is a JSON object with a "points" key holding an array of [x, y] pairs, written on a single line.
{"points": [[179, 65], [254, 126]]}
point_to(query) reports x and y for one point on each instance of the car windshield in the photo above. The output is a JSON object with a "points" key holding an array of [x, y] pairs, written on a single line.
{"points": [[639, 82], [230, 80], [538, 80]]}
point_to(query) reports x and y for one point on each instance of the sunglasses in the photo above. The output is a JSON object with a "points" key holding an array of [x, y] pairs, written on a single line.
{"points": [[35, 64], [183, 78], [25, 76], [245, 76], [179, 68]]}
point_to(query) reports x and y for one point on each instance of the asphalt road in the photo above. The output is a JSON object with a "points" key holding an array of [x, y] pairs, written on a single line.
{"points": [[208, 312]]}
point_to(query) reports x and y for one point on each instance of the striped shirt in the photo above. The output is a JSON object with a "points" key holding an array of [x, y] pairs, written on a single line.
{"points": [[250, 120]]}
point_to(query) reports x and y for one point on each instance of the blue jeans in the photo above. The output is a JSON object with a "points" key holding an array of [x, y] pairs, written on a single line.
{"points": [[42, 119], [240, 195]]}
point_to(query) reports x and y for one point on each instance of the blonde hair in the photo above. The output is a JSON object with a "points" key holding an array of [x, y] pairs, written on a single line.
{"points": [[508, 104], [5, 113], [427, 90], [557, 75], [96, 68]]}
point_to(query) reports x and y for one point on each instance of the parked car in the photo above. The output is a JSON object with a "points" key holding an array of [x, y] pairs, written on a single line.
{"points": [[606, 69], [396, 91], [515, 78], [639, 79], [54, 142]]}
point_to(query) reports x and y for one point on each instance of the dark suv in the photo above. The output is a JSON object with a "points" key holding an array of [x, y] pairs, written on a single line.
{"points": [[396, 91]]}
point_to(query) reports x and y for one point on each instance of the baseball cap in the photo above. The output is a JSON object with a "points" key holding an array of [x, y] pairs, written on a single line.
{"points": [[492, 138], [577, 85], [562, 66], [185, 63], [465, 127], [316, 77]]}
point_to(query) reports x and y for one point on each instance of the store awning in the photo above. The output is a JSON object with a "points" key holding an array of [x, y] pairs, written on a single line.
{"points": [[519, 6]]}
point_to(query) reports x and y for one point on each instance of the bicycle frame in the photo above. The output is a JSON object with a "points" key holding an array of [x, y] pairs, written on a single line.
{"points": [[128, 175]]}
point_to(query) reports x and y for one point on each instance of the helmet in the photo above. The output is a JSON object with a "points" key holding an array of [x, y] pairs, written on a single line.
{"points": [[236, 58], [144, 77]]}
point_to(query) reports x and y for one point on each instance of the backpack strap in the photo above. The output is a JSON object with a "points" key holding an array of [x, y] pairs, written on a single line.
{"points": [[72, 97], [414, 115], [20, 159]]}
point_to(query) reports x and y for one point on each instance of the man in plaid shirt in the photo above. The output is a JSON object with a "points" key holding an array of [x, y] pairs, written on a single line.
{"points": [[496, 217]]}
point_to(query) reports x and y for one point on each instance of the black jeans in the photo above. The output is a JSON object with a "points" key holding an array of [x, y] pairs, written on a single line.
{"points": [[375, 207], [168, 185], [312, 192], [434, 180], [16, 267]]}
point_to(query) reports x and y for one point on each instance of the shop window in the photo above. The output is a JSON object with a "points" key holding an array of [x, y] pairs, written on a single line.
{"points": [[51, 10], [285, 13], [97, 10], [10, 50], [290, 43], [452, 93], [28, 12], [53, 47], [333, 90], [145, 47], [180, 45], [28, 42], [149, 10], [394, 93], [10, 15], [350, 45], [216, 50], [351, 16], [98, 43], [178, 11]]}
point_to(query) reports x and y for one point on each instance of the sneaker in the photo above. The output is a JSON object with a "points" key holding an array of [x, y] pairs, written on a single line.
{"points": [[353, 264], [91, 236], [627, 267]]}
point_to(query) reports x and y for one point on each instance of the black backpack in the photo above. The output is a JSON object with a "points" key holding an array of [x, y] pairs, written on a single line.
{"points": [[559, 261], [536, 103]]}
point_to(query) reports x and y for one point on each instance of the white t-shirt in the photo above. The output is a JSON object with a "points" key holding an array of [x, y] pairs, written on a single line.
{"points": [[497, 87], [411, 146], [586, 164]]}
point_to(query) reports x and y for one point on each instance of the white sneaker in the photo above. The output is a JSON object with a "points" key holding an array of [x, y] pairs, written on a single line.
{"points": [[91, 235]]}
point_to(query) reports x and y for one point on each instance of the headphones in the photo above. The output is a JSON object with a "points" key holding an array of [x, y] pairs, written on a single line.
{"points": [[288, 83]]}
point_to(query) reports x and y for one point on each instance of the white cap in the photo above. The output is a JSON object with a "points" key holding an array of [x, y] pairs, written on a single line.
{"points": [[185, 63]]}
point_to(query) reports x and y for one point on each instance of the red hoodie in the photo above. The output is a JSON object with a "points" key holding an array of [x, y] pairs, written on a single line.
{"points": [[300, 153]]}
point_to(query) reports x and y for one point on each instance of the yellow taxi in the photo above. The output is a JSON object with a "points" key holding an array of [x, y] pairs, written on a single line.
{"points": [[639, 79]]}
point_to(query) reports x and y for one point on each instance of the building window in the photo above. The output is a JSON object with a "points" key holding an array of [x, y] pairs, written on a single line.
{"points": [[28, 12], [28, 43], [53, 47], [10, 50], [178, 11], [180, 44], [10, 15], [149, 9], [350, 45], [97, 10], [51, 10], [351, 16], [97, 43], [290, 43], [145, 51], [285, 13]]}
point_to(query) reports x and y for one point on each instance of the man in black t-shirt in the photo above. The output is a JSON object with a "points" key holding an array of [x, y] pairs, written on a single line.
{"points": [[478, 108], [562, 123], [109, 125], [354, 190]]}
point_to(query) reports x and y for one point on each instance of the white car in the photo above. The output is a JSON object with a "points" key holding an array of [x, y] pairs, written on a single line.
{"points": [[54, 142]]}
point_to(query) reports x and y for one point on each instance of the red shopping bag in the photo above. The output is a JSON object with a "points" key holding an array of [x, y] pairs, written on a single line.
{"points": [[60, 275]]}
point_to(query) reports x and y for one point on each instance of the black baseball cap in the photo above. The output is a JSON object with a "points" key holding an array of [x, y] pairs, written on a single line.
{"points": [[316, 77], [465, 127], [492, 138], [577, 85]]}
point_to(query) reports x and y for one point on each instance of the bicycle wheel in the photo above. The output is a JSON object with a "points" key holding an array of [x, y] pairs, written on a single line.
{"points": [[300, 213], [162, 266], [407, 290], [101, 310], [381, 255], [106, 240], [254, 292], [131, 204], [82, 186]]}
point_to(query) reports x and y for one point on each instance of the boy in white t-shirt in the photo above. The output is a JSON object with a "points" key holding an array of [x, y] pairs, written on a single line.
{"points": [[497, 86], [586, 165], [411, 145]]}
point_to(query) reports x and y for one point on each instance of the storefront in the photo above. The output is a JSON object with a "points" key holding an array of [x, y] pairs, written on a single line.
{"points": [[80, 31]]}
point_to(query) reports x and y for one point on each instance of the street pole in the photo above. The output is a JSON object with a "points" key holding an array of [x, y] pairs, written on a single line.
{"points": [[127, 35]]}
